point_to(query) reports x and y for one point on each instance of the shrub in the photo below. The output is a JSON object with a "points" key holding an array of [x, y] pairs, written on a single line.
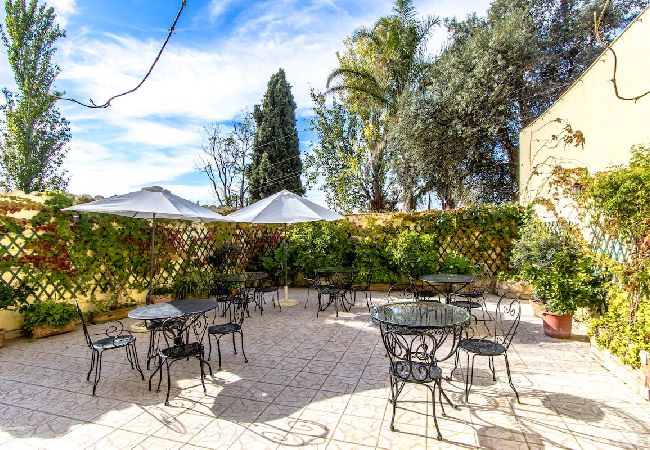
{"points": [[47, 313], [415, 253], [455, 263]]}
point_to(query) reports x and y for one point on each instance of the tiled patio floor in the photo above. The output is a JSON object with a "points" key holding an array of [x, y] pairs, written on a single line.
{"points": [[312, 382]]}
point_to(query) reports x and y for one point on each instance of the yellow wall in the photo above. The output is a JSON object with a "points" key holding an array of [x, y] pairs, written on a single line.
{"points": [[610, 126]]}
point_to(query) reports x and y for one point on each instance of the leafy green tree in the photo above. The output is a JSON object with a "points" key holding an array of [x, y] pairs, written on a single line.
{"points": [[496, 74], [276, 163], [342, 158], [34, 136], [379, 66]]}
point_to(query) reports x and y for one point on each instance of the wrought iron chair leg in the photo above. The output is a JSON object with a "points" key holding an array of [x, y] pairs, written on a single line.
{"points": [[209, 346], [319, 304], [491, 365], [169, 382], [202, 375], [92, 364], [467, 379], [505, 355], [135, 357], [219, 351], [98, 371], [160, 374], [394, 402], [277, 297], [209, 367], [444, 394], [241, 336], [433, 403], [152, 375], [442, 406], [234, 346], [471, 377]]}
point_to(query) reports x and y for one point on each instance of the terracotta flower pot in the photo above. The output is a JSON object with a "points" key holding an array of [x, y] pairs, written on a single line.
{"points": [[557, 325], [160, 298]]}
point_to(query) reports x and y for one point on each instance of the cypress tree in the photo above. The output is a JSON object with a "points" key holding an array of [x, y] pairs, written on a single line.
{"points": [[276, 163]]}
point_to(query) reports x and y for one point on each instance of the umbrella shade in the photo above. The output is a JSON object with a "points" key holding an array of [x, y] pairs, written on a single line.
{"points": [[283, 207], [149, 203]]}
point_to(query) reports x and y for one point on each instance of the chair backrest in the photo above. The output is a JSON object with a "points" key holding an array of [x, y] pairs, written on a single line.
{"points": [[238, 310], [506, 320], [415, 353], [89, 341]]}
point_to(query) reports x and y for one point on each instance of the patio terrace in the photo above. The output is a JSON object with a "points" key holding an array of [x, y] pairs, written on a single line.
{"points": [[313, 383]]}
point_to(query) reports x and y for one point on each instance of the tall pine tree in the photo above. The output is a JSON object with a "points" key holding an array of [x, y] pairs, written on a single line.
{"points": [[276, 163]]}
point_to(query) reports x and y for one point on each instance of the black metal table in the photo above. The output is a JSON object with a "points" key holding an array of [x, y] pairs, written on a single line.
{"points": [[336, 283], [448, 280], [187, 310], [420, 316], [244, 282]]}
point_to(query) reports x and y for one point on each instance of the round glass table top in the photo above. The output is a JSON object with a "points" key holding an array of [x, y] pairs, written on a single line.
{"points": [[420, 315], [175, 308], [448, 278]]}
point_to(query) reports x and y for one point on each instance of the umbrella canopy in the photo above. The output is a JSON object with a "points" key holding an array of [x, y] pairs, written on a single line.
{"points": [[283, 207], [149, 203]]}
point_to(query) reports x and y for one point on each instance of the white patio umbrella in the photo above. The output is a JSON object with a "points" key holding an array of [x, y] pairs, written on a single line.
{"points": [[150, 203], [284, 207]]}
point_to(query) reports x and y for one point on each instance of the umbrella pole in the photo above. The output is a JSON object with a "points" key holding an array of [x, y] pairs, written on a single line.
{"points": [[286, 277], [153, 243]]}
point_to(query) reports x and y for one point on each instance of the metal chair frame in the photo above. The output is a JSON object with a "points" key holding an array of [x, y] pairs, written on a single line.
{"points": [[115, 338], [179, 347], [364, 287], [234, 326], [336, 286], [495, 343], [266, 286], [413, 359]]}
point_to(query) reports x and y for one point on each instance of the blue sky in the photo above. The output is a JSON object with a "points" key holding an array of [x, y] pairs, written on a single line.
{"points": [[217, 63]]}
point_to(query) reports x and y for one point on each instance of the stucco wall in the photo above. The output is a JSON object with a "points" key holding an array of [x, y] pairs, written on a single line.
{"points": [[610, 126]]}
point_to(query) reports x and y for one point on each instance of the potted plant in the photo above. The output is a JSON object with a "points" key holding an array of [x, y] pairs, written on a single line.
{"points": [[12, 299], [160, 294], [562, 274], [115, 307], [47, 318]]}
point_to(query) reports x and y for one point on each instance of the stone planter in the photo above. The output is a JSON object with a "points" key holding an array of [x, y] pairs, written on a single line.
{"points": [[160, 298], [2, 337], [41, 332], [514, 289], [110, 316]]}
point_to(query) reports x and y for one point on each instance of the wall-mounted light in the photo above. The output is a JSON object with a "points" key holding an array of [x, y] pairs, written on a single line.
{"points": [[576, 189]]}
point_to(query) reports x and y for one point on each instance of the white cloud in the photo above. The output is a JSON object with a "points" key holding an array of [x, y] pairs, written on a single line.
{"points": [[217, 8], [64, 9]]}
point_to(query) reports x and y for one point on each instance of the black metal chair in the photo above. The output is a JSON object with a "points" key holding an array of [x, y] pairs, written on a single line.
{"points": [[266, 286], [420, 291], [364, 287], [473, 297], [413, 359], [501, 331], [155, 329], [234, 326], [179, 347], [115, 338]]}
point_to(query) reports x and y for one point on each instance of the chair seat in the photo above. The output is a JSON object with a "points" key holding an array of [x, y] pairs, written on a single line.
{"points": [[113, 342], [226, 328], [467, 304], [420, 372], [482, 347], [183, 351], [330, 291], [266, 289], [470, 294]]}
